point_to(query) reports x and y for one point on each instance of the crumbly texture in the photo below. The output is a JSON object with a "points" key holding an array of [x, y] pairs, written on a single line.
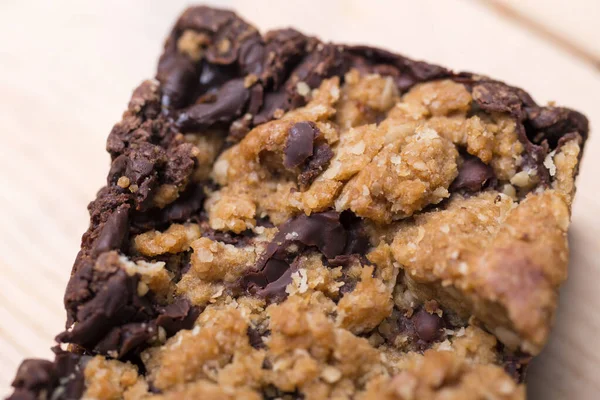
{"points": [[289, 219]]}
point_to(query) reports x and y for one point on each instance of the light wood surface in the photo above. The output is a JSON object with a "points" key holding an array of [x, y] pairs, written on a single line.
{"points": [[67, 69]]}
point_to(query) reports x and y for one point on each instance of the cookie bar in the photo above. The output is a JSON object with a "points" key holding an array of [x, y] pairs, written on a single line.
{"points": [[286, 218]]}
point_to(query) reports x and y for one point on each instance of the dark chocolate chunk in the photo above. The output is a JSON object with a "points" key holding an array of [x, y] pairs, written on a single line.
{"points": [[348, 286], [108, 314], [322, 155], [299, 145], [273, 270], [322, 230], [238, 240], [421, 329], [61, 379], [284, 49], [275, 290], [516, 365], [177, 316], [230, 41], [346, 261], [271, 103], [255, 337], [34, 374], [111, 302], [114, 231], [473, 176], [496, 97], [177, 73], [230, 102], [552, 123], [357, 238], [117, 169], [188, 204], [270, 274], [272, 392], [493, 96], [398, 323], [324, 61], [427, 326]]}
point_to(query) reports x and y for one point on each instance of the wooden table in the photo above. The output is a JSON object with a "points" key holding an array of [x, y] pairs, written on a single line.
{"points": [[67, 69]]}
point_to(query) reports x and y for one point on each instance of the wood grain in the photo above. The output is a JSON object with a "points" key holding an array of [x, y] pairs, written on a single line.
{"points": [[570, 25], [66, 72]]}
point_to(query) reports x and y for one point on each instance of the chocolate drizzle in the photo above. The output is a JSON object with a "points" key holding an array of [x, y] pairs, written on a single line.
{"points": [[473, 176]]}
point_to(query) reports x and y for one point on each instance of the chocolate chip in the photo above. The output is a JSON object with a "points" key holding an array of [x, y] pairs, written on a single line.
{"points": [[515, 362], [428, 326], [109, 314], [251, 55], [323, 61], [316, 164], [186, 207], [348, 286], [357, 238], [275, 290], [235, 239], [177, 73], [112, 304], [419, 331], [285, 47], [188, 204], [552, 123], [230, 102], [272, 102], [346, 261], [273, 270], [322, 230], [203, 18], [255, 337], [114, 231], [299, 145], [177, 316], [496, 97], [473, 175], [230, 41], [40, 378], [271, 280], [117, 169], [121, 340], [34, 374]]}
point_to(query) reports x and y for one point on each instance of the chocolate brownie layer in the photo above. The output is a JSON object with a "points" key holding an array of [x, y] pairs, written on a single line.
{"points": [[287, 218]]}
